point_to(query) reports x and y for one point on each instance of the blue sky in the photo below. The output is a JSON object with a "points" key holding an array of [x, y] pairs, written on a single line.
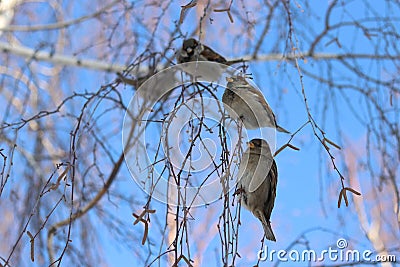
{"points": [[305, 177]]}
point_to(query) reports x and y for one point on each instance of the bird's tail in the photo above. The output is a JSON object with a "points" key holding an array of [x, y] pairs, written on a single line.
{"points": [[266, 225], [282, 130], [268, 231]]}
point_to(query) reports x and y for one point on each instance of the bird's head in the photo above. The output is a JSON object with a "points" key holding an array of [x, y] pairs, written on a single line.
{"points": [[259, 146], [190, 45], [238, 81]]}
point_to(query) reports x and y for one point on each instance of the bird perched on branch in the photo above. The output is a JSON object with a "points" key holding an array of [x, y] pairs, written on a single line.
{"points": [[193, 50], [245, 102], [257, 180]]}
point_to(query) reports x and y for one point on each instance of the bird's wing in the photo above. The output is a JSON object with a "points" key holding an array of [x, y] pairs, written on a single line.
{"points": [[270, 200], [211, 55], [264, 166], [254, 97], [261, 99]]}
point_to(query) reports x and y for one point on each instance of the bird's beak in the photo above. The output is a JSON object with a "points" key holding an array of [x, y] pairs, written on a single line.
{"points": [[251, 145], [229, 79]]}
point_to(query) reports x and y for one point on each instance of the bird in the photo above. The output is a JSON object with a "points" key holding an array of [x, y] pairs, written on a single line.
{"points": [[193, 50], [257, 181], [243, 101]]}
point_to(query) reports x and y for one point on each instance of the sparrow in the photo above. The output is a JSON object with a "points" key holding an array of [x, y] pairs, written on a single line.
{"points": [[257, 180], [245, 102], [193, 50]]}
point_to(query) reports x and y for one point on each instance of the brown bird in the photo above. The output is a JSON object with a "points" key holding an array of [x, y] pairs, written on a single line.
{"points": [[248, 104], [193, 50], [257, 180]]}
